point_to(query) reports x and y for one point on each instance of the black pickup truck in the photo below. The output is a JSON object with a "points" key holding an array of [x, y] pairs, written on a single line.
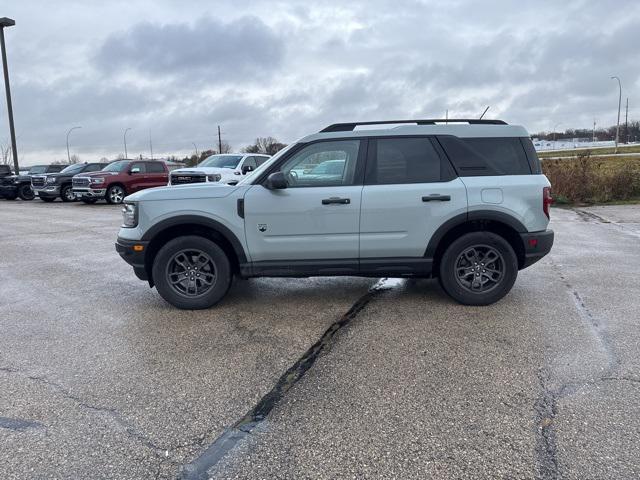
{"points": [[14, 186], [50, 186]]}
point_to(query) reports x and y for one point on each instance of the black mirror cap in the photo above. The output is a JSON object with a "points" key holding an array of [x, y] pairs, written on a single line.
{"points": [[246, 169], [276, 181]]}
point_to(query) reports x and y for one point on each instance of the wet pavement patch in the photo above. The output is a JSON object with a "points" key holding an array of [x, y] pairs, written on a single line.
{"points": [[18, 425], [197, 469]]}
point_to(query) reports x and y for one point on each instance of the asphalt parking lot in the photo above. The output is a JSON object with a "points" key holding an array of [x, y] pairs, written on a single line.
{"points": [[99, 378]]}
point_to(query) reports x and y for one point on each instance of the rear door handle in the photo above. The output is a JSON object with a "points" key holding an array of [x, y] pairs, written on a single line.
{"points": [[436, 198], [332, 200]]}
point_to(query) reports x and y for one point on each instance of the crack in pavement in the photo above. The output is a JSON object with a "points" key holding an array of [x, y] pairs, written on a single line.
{"points": [[241, 429], [590, 216], [546, 407]]}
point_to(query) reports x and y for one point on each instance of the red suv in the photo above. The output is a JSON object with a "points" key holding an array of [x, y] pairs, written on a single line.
{"points": [[119, 179]]}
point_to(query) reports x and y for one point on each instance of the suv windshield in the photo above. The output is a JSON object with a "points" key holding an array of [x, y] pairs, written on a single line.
{"points": [[221, 161], [72, 168], [37, 169], [116, 166]]}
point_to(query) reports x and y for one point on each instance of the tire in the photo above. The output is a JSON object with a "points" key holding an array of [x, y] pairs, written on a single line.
{"points": [[47, 199], [115, 194], [66, 194], [25, 192], [181, 255], [462, 274], [89, 201]]}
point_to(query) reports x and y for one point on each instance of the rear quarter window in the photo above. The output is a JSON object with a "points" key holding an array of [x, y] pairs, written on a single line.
{"points": [[486, 156]]}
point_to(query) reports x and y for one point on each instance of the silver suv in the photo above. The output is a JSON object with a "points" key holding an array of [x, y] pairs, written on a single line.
{"points": [[461, 200]]}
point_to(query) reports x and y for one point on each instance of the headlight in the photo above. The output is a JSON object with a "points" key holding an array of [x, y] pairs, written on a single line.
{"points": [[130, 215], [214, 177], [96, 180], [51, 179]]}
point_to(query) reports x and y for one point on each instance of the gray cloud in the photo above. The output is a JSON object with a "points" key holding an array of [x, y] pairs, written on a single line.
{"points": [[221, 51]]}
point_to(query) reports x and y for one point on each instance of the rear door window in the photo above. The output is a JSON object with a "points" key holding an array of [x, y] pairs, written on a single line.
{"points": [[155, 167], [140, 166], [403, 160], [486, 156]]}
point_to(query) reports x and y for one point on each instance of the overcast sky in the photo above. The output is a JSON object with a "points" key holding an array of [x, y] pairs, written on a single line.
{"points": [[177, 69]]}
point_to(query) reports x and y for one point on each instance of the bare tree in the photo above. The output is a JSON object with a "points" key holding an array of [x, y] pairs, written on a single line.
{"points": [[226, 148], [266, 145], [6, 152], [74, 159]]}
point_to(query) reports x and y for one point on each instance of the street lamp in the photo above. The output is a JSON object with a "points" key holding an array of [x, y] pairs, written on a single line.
{"points": [[619, 105], [8, 22], [196, 147], [70, 130], [125, 143]]}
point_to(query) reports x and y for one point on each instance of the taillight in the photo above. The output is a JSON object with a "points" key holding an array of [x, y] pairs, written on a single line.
{"points": [[547, 200]]}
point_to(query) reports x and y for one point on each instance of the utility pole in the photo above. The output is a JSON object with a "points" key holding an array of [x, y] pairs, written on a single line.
{"points": [[446, 116], [593, 138], [150, 145], [219, 141], [619, 105], [8, 22]]}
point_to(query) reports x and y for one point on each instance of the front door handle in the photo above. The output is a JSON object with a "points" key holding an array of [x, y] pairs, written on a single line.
{"points": [[336, 200], [436, 198]]}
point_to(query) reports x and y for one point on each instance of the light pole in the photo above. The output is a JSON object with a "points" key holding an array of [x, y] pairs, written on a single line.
{"points": [[196, 147], [125, 142], [70, 130], [8, 22], [619, 105]]}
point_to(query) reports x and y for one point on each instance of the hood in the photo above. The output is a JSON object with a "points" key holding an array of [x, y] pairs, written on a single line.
{"points": [[205, 170], [95, 174], [183, 192]]}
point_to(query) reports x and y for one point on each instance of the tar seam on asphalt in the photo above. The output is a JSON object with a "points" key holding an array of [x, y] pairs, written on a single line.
{"points": [[197, 468], [18, 425], [590, 216], [547, 405]]}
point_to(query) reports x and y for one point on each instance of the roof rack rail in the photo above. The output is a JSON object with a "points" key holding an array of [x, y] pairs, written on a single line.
{"points": [[348, 127]]}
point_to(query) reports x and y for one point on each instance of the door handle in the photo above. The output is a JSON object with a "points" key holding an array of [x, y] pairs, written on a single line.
{"points": [[436, 198], [336, 200]]}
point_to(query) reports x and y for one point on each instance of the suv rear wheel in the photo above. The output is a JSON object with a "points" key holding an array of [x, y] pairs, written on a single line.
{"points": [[192, 272], [115, 194], [478, 268], [25, 192]]}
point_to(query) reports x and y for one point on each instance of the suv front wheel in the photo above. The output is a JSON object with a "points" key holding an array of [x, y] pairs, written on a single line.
{"points": [[479, 268], [192, 272]]}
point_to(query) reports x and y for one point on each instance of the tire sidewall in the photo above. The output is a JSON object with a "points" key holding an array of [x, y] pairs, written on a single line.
{"points": [[447, 268], [25, 192], [108, 194], [221, 263], [63, 195]]}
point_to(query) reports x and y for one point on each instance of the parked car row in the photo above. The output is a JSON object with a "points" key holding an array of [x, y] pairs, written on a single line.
{"points": [[112, 182]]}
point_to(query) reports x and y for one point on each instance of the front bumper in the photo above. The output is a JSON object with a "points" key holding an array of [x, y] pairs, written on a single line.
{"points": [[51, 191], [89, 192], [134, 256], [8, 190], [536, 246]]}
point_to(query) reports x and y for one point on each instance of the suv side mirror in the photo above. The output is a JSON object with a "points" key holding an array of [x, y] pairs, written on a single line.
{"points": [[134, 170], [246, 169], [276, 181]]}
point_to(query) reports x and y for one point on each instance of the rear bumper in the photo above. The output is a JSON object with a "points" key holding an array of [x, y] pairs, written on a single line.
{"points": [[536, 246]]}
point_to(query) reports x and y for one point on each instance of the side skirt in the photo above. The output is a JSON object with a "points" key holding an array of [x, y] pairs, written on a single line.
{"points": [[364, 267]]}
